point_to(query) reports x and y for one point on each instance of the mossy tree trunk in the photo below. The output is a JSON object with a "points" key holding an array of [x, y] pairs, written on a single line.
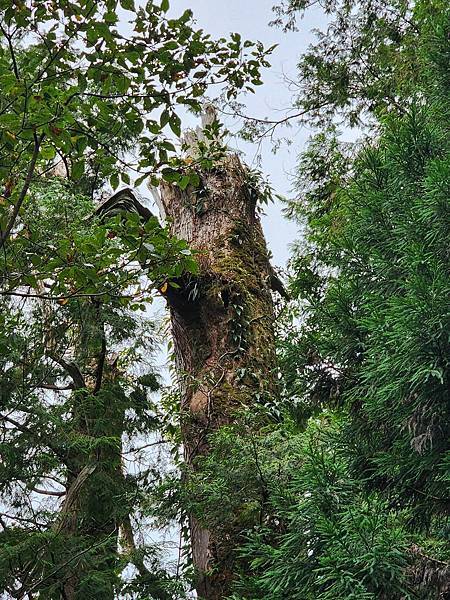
{"points": [[222, 325]]}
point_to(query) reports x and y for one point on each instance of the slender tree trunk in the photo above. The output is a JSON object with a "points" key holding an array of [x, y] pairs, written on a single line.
{"points": [[222, 324], [94, 485], [95, 478]]}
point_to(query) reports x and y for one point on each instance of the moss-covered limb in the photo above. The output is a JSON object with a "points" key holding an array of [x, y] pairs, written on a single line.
{"points": [[222, 324]]}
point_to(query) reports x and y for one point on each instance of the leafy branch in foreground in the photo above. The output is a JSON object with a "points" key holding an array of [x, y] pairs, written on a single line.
{"points": [[79, 89]]}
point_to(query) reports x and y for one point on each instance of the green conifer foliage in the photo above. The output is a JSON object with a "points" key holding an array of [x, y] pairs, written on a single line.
{"points": [[348, 496], [361, 507]]}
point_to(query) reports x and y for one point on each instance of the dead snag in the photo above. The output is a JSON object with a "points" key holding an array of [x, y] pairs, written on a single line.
{"points": [[222, 325]]}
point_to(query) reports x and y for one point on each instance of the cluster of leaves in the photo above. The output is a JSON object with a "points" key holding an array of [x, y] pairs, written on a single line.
{"points": [[76, 83], [62, 251], [203, 152], [363, 62], [74, 385]]}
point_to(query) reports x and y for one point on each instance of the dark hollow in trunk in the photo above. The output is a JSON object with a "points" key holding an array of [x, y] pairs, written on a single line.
{"points": [[222, 325]]}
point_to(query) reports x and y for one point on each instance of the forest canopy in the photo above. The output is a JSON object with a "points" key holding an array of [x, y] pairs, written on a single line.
{"points": [[300, 449]]}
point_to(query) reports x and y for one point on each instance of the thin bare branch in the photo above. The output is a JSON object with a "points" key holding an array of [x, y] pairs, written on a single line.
{"points": [[49, 492]]}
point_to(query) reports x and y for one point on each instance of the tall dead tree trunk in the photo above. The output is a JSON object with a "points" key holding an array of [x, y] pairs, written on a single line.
{"points": [[222, 324]]}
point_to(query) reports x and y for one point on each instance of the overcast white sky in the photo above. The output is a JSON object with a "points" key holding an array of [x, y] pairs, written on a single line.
{"points": [[251, 19]]}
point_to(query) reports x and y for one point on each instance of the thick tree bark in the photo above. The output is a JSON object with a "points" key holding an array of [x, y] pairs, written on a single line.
{"points": [[222, 324]]}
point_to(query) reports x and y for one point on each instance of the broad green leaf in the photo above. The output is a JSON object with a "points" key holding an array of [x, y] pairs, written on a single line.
{"points": [[184, 182], [48, 152], [165, 118], [175, 124], [171, 175], [78, 170]]}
